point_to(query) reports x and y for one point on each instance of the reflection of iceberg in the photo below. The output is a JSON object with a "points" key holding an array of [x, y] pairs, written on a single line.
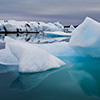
{"points": [[86, 74], [57, 34], [25, 82], [86, 38], [31, 58]]}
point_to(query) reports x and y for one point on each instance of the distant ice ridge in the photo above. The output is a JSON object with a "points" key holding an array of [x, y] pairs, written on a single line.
{"points": [[32, 58], [30, 26], [86, 38]]}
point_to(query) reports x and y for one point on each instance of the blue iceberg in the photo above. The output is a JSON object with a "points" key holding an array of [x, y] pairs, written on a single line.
{"points": [[86, 38]]}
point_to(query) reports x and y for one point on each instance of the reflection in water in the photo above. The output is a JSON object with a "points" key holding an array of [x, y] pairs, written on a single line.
{"points": [[8, 68], [25, 82], [86, 73]]}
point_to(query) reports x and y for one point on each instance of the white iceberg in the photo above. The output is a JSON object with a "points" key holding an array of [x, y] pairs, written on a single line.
{"points": [[51, 27], [32, 58], [86, 38]]}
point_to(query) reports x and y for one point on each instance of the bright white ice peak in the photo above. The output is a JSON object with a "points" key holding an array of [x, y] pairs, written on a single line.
{"points": [[86, 38]]}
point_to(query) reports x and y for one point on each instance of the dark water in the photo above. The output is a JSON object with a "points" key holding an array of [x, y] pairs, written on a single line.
{"points": [[78, 80]]}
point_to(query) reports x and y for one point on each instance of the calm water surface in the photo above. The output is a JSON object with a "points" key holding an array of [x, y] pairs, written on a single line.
{"points": [[78, 80]]}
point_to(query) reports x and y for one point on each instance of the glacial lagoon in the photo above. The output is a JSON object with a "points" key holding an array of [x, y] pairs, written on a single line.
{"points": [[77, 80]]}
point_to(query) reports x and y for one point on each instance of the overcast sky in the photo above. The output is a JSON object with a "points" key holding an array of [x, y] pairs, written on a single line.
{"points": [[65, 11]]}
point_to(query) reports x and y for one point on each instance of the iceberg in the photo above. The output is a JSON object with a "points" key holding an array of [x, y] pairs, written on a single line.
{"points": [[32, 58], [60, 26], [33, 26], [51, 27], [71, 29], [44, 26], [86, 38]]}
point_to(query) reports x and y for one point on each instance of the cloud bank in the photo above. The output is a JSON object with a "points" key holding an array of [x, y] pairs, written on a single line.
{"points": [[66, 11]]}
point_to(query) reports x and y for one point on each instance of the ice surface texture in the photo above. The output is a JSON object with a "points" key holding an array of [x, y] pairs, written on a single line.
{"points": [[7, 58], [58, 49], [32, 58], [86, 38]]}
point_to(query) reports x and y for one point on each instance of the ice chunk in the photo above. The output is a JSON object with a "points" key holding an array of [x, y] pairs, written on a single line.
{"points": [[31, 58], [48, 27], [51, 27], [60, 26], [71, 29], [86, 38]]}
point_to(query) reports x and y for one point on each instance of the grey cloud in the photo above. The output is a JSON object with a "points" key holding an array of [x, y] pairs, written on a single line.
{"points": [[65, 11]]}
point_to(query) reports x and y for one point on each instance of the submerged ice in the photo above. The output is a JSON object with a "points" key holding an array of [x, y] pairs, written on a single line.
{"points": [[32, 58]]}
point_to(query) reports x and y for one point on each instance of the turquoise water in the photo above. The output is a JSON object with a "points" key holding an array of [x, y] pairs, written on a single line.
{"points": [[78, 80], [55, 35]]}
